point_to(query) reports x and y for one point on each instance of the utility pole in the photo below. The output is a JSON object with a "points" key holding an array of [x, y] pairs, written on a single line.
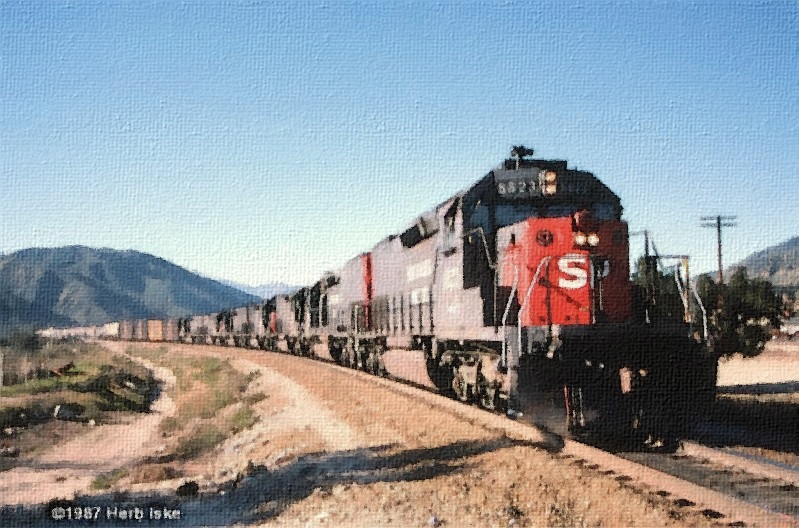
{"points": [[718, 222]]}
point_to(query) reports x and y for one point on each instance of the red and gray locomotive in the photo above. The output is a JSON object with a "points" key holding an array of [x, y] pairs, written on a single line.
{"points": [[514, 294]]}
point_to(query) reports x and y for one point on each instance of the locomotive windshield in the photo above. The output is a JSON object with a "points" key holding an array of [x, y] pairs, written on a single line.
{"points": [[511, 213]]}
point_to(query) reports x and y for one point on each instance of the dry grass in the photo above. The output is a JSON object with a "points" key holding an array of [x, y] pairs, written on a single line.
{"points": [[152, 473], [106, 480], [211, 400], [95, 387]]}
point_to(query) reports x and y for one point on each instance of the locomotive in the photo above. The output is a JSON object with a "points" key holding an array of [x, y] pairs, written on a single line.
{"points": [[514, 294]]}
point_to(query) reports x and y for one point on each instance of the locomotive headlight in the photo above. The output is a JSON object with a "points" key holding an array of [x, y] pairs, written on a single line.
{"points": [[593, 239], [548, 180], [580, 238]]}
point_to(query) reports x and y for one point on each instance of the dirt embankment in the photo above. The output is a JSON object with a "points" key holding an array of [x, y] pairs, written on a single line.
{"points": [[332, 449]]}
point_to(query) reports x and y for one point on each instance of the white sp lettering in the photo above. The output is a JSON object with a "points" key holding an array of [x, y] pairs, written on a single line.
{"points": [[574, 277]]}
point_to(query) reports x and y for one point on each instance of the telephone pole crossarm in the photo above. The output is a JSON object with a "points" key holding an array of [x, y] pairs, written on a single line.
{"points": [[718, 222]]}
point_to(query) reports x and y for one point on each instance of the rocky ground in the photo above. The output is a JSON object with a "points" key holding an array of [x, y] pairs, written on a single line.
{"points": [[333, 449]]}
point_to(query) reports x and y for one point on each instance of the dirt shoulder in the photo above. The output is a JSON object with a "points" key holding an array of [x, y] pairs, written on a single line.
{"points": [[331, 449], [776, 369], [758, 403]]}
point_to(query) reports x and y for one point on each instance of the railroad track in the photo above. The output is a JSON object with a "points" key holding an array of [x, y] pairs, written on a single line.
{"points": [[733, 489], [772, 487]]}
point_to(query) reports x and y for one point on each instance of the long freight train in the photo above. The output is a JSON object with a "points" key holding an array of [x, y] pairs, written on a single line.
{"points": [[514, 294]]}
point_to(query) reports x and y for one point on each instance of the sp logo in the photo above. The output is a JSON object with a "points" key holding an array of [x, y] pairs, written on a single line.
{"points": [[574, 272]]}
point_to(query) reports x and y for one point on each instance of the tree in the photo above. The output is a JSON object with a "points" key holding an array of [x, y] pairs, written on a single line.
{"points": [[28, 342], [741, 312], [656, 295]]}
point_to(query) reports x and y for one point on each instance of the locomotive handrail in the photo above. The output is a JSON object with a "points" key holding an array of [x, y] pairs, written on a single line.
{"points": [[544, 260], [510, 298], [680, 288], [505, 316], [691, 289], [702, 307], [492, 265]]}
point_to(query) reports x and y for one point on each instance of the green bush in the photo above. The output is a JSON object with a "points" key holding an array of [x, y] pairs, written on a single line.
{"points": [[106, 480], [243, 419], [200, 442]]}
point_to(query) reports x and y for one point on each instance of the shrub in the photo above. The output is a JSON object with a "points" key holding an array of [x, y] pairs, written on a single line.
{"points": [[106, 480], [199, 442], [243, 419]]}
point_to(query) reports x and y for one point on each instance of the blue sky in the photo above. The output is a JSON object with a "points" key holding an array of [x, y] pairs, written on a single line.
{"points": [[267, 141]]}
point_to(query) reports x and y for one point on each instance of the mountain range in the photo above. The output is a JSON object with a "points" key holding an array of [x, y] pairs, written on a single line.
{"points": [[264, 291], [779, 264], [78, 286]]}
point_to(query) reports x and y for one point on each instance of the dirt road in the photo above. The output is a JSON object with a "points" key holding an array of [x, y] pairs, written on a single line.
{"points": [[69, 468]]}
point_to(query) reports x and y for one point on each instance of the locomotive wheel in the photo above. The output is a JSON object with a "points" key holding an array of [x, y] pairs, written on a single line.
{"points": [[362, 356], [381, 366], [439, 371], [463, 390], [459, 386], [489, 397], [372, 360], [335, 352], [349, 355]]}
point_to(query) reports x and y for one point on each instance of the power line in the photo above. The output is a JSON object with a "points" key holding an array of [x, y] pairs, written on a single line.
{"points": [[718, 222]]}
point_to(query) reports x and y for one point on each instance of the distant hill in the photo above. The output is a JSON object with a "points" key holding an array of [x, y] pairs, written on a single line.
{"points": [[264, 291], [77, 286], [779, 264]]}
